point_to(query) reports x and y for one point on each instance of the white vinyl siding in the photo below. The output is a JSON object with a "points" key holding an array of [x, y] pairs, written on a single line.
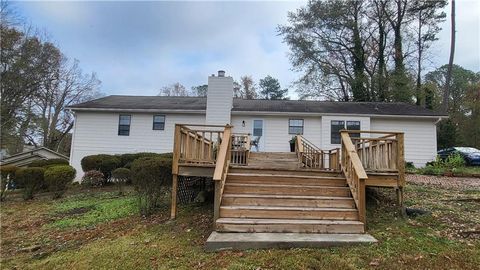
{"points": [[276, 135], [97, 133], [219, 100], [420, 137]]}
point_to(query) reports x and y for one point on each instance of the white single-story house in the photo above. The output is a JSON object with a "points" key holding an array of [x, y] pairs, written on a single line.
{"points": [[123, 124], [25, 158]]}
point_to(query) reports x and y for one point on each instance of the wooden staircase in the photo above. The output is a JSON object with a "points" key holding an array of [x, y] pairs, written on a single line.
{"points": [[275, 199], [310, 198]]}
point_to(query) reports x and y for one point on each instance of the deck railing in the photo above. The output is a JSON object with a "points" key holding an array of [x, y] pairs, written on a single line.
{"points": [[240, 149], [198, 143], [381, 152], [354, 173], [311, 156]]}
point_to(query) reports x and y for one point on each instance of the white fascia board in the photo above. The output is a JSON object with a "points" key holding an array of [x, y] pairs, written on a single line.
{"points": [[259, 113], [336, 114], [136, 110]]}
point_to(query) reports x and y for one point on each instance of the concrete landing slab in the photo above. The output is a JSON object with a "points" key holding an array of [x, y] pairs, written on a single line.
{"points": [[239, 241]]}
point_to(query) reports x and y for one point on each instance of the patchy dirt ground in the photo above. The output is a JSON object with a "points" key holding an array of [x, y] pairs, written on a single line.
{"points": [[447, 238], [445, 182]]}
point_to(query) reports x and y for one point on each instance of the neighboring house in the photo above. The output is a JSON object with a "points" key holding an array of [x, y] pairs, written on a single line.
{"points": [[121, 124], [25, 158]]}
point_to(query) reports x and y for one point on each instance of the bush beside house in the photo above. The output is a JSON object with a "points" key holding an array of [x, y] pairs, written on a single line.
{"points": [[103, 163], [121, 176], [48, 162], [150, 175], [31, 179], [454, 165], [57, 178], [93, 178], [127, 159]]}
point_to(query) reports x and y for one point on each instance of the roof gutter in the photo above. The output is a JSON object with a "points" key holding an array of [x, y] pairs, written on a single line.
{"points": [[137, 110], [336, 114]]}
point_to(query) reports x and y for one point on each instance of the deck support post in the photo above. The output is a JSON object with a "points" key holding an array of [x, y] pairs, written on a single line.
{"points": [[401, 207], [216, 201], [173, 212]]}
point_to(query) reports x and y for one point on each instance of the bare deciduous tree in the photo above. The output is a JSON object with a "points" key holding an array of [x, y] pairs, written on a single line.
{"points": [[174, 90]]}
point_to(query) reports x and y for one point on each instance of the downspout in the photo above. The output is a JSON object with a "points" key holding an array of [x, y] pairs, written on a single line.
{"points": [[440, 119], [73, 136]]}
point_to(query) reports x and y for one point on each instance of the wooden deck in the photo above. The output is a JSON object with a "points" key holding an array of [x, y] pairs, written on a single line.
{"points": [[307, 191]]}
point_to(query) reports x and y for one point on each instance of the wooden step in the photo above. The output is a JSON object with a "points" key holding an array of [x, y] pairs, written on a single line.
{"points": [[273, 155], [288, 212], [241, 188], [288, 225], [287, 200], [280, 179], [283, 171]]}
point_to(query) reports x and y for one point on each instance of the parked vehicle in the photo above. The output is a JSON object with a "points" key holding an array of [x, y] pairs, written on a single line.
{"points": [[470, 155]]}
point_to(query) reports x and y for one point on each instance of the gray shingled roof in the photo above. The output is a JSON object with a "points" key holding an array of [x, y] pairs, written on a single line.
{"points": [[244, 105]]}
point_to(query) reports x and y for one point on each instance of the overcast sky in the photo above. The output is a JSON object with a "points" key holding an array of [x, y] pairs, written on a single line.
{"points": [[137, 47]]}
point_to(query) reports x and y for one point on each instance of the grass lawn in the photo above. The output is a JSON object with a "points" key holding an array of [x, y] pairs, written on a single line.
{"points": [[101, 230]]}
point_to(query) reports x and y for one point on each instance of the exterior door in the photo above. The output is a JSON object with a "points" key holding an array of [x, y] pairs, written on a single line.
{"points": [[258, 135]]}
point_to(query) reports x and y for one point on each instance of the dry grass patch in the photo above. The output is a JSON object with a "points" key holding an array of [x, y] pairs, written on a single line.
{"points": [[433, 241]]}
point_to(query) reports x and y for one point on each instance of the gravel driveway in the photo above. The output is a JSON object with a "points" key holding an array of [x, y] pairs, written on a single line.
{"points": [[443, 181]]}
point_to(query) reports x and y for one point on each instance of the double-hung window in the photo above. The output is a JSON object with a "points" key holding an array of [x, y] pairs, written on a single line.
{"points": [[353, 125], [124, 124], [158, 122], [258, 128], [295, 126], [337, 125]]}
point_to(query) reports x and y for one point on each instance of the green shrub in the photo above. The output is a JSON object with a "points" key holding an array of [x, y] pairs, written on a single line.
{"points": [[7, 176], [31, 179], [120, 177], [431, 170], [93, 178], [454, 161], [149, 175], [48, 162], [57, 179], [127, 159], [104, 163], [409, 166]]}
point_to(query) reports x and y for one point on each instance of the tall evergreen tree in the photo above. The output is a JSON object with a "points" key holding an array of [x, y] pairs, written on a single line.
{"points": [[270, 89]]}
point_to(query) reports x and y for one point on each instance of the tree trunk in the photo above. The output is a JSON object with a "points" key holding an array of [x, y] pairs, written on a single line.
{"points": [[359, 91], [419, 61], [382, 86], [446, 93]]}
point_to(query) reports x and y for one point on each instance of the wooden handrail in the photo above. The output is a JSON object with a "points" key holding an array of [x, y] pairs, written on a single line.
{"points": [[354, 173], [221, 169], [371, 131], [222, 154], [311, 156]]}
